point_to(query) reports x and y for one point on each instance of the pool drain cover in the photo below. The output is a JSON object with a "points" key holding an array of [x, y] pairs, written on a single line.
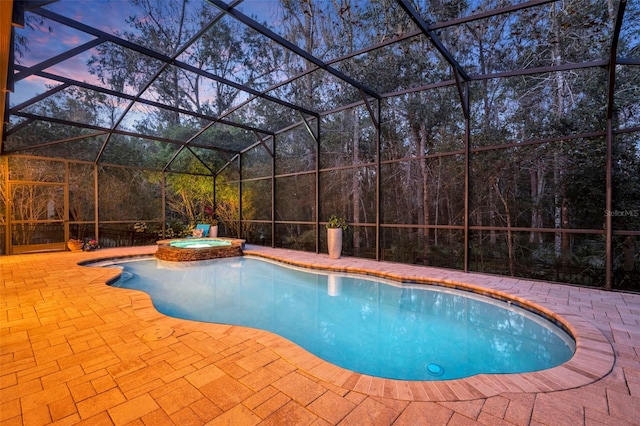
{"points": [[435, 369], [157, 333]]}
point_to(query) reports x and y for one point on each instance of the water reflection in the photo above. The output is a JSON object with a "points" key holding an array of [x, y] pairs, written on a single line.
{"points": [[360, 324], [334, 285]]}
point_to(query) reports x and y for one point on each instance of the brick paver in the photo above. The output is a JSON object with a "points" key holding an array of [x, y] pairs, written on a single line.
{"points": [[74, 350]]}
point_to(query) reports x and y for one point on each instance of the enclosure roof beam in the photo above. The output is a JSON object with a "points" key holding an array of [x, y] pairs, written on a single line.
{"points": [[463, 93], [371, 48], [189, 148], [21, 6], [489, 14], [230, 162], [309, 129], [434, 26], [542, 70], [186, 144], [257, 143], [99, 89], [628, 61], [59, 141], [543, 141], [157, 74], [372, 115], [329, 62], [191, 139], [290, 46], [19, 126], [412, 34], [38, 98], [262, 142], [26, 72], [422, 25], [116, 131], [451, 82], [289, 127], [161, 57]]}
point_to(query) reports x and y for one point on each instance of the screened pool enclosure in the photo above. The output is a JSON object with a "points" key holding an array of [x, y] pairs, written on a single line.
{"points": [[488, 136]]}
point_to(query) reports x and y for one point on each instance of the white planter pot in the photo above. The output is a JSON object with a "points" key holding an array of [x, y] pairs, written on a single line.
{"points": [[334, 241], [213, 231]]}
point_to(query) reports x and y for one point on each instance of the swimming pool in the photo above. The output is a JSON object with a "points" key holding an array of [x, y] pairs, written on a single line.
{"points": [[371, 326]]}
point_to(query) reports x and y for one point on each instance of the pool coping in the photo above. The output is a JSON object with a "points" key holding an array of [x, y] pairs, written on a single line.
{"points": [[593, 359]]}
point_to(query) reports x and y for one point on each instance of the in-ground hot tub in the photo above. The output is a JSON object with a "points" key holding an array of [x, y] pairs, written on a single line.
{"points": [[191, 249]]}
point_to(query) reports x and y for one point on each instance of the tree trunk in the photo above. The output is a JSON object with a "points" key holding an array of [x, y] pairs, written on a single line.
{"points": [[424, 171], [566, 238], [510, 250], [559, 110], [537, 180], [492, 219], [437, 201]]}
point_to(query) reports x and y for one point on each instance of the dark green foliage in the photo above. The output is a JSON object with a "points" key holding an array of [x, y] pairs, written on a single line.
{"points": [[537, 170]]}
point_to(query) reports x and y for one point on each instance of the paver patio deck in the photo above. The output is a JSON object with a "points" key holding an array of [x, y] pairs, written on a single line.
{"points": [[76, 351]]}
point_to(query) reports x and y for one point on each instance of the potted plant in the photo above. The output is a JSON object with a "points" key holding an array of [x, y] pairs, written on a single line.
{"points": [[90, 245], [210, 217], [213, 229], [335, 227], [75, 245]]}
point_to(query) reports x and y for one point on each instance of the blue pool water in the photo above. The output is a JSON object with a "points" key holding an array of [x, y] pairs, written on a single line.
{"points": [[199, 243], [410, 332]]}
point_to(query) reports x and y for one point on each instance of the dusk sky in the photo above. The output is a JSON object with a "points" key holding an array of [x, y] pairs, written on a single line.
{"points": [[110, 16], [106, 15]]}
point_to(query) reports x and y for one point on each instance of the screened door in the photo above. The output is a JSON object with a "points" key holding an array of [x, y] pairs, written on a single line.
{"points": [[38, 217]]}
